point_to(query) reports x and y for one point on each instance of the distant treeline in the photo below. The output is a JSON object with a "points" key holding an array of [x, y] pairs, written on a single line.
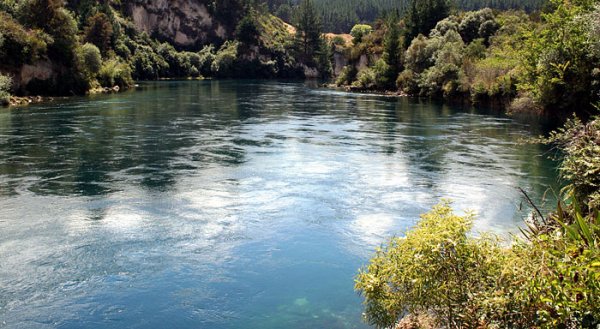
{"points": [[339, 16]]}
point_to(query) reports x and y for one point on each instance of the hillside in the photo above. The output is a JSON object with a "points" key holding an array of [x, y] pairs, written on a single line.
{"points": [[53, 47], [338, 16]]}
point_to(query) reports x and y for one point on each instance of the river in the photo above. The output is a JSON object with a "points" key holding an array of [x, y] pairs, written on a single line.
{"points": [[234, 204]]}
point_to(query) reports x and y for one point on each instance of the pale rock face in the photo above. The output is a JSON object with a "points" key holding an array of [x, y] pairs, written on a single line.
{"points": [[363, 62], [340, 62], [186, 23], [311, 72], [41, 70]]}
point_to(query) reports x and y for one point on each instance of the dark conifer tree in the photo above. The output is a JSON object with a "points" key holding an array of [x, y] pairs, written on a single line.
{"points": [[308, 30]]}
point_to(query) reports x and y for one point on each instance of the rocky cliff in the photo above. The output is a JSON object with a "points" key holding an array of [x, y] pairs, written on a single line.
{"points": [[184, 23]]}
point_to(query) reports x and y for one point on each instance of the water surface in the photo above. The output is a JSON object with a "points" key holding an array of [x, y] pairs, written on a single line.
{"points": [[228, 204]]}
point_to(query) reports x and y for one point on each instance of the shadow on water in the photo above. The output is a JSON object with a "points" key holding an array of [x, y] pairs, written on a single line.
{"points": [[233, 204], [81, 147]]}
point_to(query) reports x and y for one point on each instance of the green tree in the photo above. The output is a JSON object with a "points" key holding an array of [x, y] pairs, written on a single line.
{"points": [[89, 60], [423, 15], [284, 12], [53, 18], [246, 30], [359, 31], [99, 31], [308, 31], [559, 61], [436, 268], [5, 85], [392, 51]]}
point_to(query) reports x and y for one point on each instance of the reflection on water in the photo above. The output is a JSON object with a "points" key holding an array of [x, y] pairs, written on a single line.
{"points": [[227, 204]]}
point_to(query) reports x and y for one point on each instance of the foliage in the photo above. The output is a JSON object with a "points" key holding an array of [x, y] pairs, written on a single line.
{"points": [[89, 60], [407, 82], [435, 268], [347, 75], [392, 52], [147, 64], [547, 281], [99, 31], [478, 24], [54, 19], [246, 30], [19, 45], [115, 73], [567, 281], [359, 31], [365, 79], [8, 6], [592, 21], [550, 278], [580, 144], [51, 30], [339, 16], [308, 31], [419, 55], [557, 66], [225, 60], [206, 58], [5, 85], [424, 15]]}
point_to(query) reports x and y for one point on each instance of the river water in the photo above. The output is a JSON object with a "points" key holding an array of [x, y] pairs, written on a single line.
{"points": [[233, 204]]}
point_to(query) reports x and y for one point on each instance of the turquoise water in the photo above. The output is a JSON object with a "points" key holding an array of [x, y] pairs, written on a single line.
{"points": [[233, 204]]}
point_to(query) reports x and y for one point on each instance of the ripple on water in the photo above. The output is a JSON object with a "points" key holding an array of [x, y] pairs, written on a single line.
{"points": [[224, 204]]}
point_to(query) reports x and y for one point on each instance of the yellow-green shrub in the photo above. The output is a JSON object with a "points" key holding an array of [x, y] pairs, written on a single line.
{"points": [[115, 73], [435, 268], [5, 85]]}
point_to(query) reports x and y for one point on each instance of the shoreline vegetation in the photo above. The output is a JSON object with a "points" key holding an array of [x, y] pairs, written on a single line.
{"points": [[440, 275], [543, 62]]}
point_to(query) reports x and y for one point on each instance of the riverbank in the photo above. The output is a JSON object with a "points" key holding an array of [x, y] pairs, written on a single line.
{"points": [[221, 192], [19, 101]]}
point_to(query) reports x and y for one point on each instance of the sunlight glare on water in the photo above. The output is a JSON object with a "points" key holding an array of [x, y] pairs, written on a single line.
{"points": [[233, 204]]}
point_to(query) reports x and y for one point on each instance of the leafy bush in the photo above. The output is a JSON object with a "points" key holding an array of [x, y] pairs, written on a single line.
{"points": [[5, 85], [445, 77], [20, 46], [207, 57], [407, 82], [567, 281], [147, 64], [347, 75], [365, 79], [557, 66], [54, 19], [580, 144], [476, 49], [550, 280], [494, 77], [359, 31], [442, 27], [435, 268], [89, 59], [115, 73], [419, 56], [225, 59], [478, 24]]}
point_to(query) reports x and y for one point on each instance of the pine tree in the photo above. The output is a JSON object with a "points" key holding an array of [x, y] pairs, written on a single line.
{"points": [[392, 50], [308, 31], [423, 16]]}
